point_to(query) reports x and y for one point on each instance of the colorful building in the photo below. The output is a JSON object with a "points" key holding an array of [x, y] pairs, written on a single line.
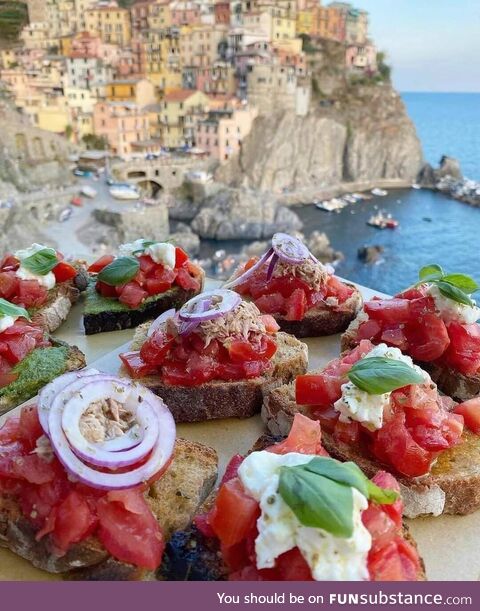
{"points": [[202, 45], [355, 22], [122, 123], [180, 111], [110, 22], [361, 57], [222, 12], [185, 13], [222, 132], [84, 72], [139, 91], [160, 15]]}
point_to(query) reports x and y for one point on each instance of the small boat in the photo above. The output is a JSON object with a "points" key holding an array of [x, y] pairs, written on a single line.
{"points": [[124, 192], [88, 191], [332, 205], [76, 201], [427, 219], [379, 192], [416, 186], [65, 214], [382, 221]]}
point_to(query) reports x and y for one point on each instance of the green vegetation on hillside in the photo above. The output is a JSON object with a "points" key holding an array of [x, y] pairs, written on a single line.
{"points": [[126, 3], [13, 16]]}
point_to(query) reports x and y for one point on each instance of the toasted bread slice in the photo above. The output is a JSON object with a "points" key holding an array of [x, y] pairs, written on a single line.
{"points": [[60, 300], [453, 383], [103, 314], [39, 368], [324, 320], [190, 556], [452, 486], [219, 399], [174, 500]]}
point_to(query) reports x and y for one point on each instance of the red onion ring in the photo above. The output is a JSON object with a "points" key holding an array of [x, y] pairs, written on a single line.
{"points": [[48, 392], [289, 249], [271, 266], [161, 320], [241, 279], [152, 413], [221, 302], [77, 397]]}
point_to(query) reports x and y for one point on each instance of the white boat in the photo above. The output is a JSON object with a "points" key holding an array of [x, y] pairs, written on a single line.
{"points": [[416, 186], [332, 205], [88, 191], [124, 192], [379, 192]]}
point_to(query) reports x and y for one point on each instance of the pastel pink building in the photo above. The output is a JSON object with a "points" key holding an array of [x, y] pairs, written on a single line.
{"points": [[222, 133], [123, 124], [361, 57], [185, 13]]}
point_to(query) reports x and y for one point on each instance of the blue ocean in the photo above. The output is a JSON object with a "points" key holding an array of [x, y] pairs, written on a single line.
{"points": [[433, 228]]}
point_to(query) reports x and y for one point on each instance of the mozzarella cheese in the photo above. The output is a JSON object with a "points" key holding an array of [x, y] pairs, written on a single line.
{"points": [[161, 252], [452, 311], [330, 558], [6, 322], [45, 280], [356, 404]]}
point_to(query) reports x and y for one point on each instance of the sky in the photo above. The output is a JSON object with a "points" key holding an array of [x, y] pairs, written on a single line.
{"points": [[432, 45]]}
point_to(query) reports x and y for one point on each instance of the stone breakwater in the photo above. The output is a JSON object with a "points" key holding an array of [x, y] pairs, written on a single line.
{"points": [[449, 180]]}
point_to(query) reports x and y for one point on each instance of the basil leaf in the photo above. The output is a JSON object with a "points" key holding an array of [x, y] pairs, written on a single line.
{"points": [[317, 501], [10, 309], [430, 272], [462, 281], [379, 375], [454, 293], [349, 474], [346, 473], [382, 496], [119, 271], [41, 262]]}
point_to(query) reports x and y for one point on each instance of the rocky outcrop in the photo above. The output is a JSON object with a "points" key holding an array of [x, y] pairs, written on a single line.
{"points": [[149, 222], [370, 254], [448, 179], [236, 213], [31, 157], [363, 136]]}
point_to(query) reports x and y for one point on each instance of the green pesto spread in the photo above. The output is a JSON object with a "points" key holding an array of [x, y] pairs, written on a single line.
{"points": [[96, 303], [37, 369]]}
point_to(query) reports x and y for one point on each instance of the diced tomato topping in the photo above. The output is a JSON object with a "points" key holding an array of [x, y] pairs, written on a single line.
{"points": [[337, 288], [389, 310], [305, 437], [387, 481], [186, 281], [8, 284], [271, 325], [393, 562], [106, 290], [296, 305], [155, 349], [470, 410], [463, 354], [74, 521], [181, 257], [231, 469], [136, 366], [347, 432], [427, 338], [370, 329], [132, 295], [271, 304], [100, 263], [9, 262], [235, 513], [30, 294], [147, 264], [133, 537], [64, 272], [155, 286]]}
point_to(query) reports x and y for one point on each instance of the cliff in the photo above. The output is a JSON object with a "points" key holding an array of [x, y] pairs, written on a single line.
{"points": [[365, 137], [357, 130], [30, 157]]}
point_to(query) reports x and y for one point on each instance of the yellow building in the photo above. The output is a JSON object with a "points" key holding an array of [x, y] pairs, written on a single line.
{"points": [[304, 23], [159, 15], [8, 57], [162, 58], [139, 91], [199, 45], [111, 23], [283, 27], [65, 45], [180, 110], [54, 116]]}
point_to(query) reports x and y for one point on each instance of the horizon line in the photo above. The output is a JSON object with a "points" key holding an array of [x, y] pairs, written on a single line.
{"points": [[435, 91]]}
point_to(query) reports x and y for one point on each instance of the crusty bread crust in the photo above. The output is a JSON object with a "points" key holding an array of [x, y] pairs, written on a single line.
{"points": [[174, 500], [115, 321], [55, 311], [452, 486], [190, 556], [218, 399], [75, 360], [324, 320]]}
